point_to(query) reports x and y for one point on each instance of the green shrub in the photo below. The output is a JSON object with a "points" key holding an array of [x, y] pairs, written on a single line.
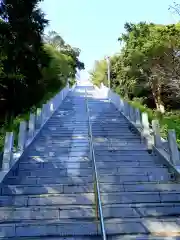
{"points": [[168, 120]]}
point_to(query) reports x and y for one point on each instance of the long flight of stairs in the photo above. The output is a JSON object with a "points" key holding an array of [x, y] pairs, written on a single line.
{"points": [[51, 195]]}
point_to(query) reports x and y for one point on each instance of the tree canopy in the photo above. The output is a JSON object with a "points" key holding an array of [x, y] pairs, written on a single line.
{"points": [[148, 65], [31, 63]]}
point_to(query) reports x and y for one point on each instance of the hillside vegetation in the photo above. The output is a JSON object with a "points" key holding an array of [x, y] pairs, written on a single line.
{"points": [[33, 66], [146, 71]]}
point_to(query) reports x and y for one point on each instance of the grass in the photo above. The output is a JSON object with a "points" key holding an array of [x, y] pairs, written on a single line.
{"points": [[168, 120]]}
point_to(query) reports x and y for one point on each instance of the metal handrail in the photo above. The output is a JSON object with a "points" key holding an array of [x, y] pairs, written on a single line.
{"points": [[95, 172]]}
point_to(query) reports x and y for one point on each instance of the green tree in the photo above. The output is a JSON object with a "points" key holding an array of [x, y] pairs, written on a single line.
{"points": [[148, 64], [55, 40], [149, 53], [32, 66], [24, 52]]}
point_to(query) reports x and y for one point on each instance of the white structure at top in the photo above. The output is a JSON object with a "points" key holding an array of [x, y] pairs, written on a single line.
{"points": [[82, 79]]}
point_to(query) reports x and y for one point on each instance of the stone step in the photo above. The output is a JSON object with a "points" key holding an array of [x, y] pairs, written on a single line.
{"points": [[112, 149], [48, 229], [59, 153], [129, 212], [154, 227], [143, 187], [107, 141], [61, 150], [47, 199], [63, 127], [112, 131], [118, 160], [67, 133], [83, 175], [88, 198], [138, 178], [115, 144], [9, 214], [17, 215], [56, 172], [68, 130], [45, 189], [129, 163], [140, 197], [63, 144], [126, 157], [142, 205], [126, 137], [75, 180], [66, 136], [144, 237], [70, 122], [54, 165], [57, 164], [134, 153], [104, 188], [61, 138], [115, 129], [133, 170], [28, 180], [151, 175], [121, 138], [118, 211], [91, 237], [58, 140], [157, 227], [56, 159], [110, 127]]}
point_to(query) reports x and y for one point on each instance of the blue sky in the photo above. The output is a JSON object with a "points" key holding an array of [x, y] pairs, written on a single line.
{"points": [[95, 25]]}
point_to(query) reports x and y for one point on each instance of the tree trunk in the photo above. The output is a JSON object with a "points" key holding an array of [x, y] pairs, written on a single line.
{"points": [[156, 91]]}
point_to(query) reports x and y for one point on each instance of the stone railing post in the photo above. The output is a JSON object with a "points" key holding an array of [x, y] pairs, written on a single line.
{"points": [[55, 102], [8, 151], [126, 109], [132, 114], [145, 124], [48, 109], [121, 108], [43, 114], [58, 100], [52, 108], [137, 117], [119, 104], [156, 133], [31, 125], [129, 111], [38, 117], [22, 136], [146, 131], [117, 101], [173, 148]]}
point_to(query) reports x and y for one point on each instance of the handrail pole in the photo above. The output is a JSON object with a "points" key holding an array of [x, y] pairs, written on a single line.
{"points": [[95, 172]]}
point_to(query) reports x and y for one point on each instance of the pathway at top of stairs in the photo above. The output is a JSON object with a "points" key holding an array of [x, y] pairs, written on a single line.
{"points": [[51, 193]]}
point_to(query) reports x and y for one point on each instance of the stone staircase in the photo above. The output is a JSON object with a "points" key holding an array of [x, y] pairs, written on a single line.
{"points": [[51, 195]]}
